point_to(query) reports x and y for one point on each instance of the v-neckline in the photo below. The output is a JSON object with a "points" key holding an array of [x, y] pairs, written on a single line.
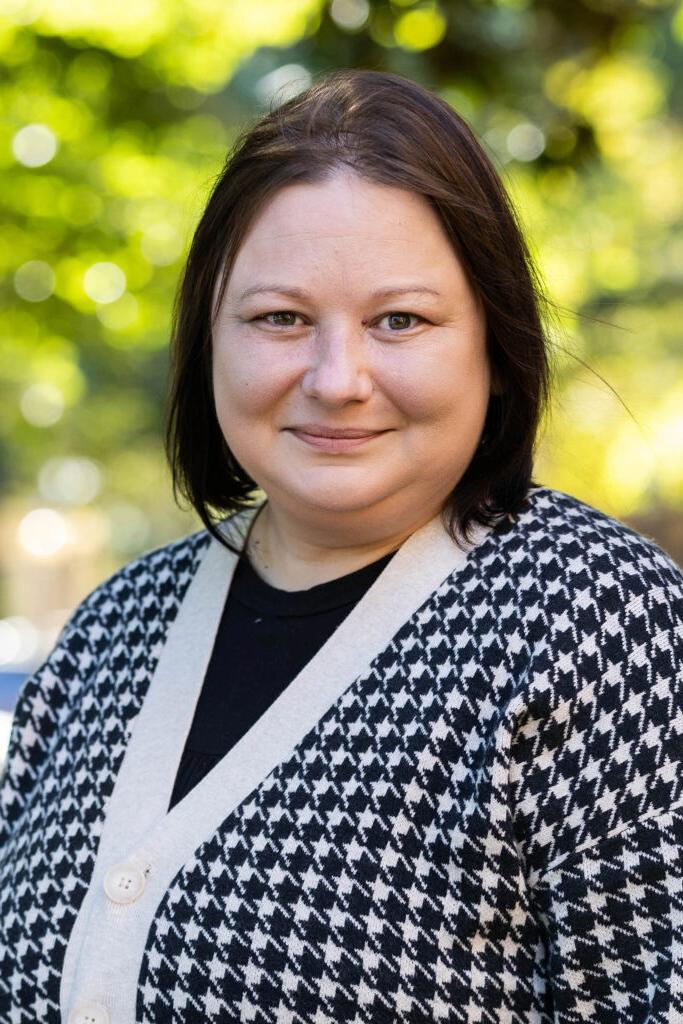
{"points": [[145, 778], [138, 828], [159, 733]]}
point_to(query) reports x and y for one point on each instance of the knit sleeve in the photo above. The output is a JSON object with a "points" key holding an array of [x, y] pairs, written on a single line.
{"points": [[597, 787], [598, 738], [613, 916]]}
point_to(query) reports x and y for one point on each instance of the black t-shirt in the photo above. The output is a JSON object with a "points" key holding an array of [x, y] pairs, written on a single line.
{"points": [[264, 639]]}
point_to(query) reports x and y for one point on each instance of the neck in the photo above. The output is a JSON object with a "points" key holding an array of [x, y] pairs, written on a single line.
{"points": [[285, 556]]}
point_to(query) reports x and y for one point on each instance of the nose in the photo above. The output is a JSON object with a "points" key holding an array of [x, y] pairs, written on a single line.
{"points": [[338, 372]]}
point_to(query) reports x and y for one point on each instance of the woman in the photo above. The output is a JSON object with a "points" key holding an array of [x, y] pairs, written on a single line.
{"points": [[400, 741]]}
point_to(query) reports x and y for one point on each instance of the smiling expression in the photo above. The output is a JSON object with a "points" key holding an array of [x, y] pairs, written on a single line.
{"points": [[347, 308]]}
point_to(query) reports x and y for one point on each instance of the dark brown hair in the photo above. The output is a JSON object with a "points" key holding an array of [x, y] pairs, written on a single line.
{"points": [[392, 131]]}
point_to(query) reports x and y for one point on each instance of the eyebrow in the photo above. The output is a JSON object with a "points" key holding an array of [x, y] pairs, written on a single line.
{"points": [[300, 293]]}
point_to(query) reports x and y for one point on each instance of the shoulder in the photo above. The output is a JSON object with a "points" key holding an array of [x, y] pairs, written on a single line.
{"points": [[129, 611], [110, 639], [600, 592], [154, 579], [148, 590], [162, 566], [573, 547]]}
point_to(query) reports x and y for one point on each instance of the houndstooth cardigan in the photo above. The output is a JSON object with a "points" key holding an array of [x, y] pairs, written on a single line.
{"points": [[468, 806]]}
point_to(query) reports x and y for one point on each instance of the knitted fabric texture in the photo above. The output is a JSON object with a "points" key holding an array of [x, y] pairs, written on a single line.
{"points": [[487, 826]]}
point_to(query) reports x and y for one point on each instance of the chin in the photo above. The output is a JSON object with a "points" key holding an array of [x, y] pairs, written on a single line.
{"points": [[334, 498]]}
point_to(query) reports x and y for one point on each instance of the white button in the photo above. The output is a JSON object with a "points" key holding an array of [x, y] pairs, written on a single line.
{"points": [[89, 1013], [124, 883]]}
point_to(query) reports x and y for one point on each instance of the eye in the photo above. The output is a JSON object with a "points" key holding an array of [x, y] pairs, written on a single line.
{"points": [[404, 316], [392, 314], [280, 312]]}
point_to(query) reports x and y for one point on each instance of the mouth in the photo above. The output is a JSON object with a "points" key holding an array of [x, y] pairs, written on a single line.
{"points": [[339, 442], [322, 430]]}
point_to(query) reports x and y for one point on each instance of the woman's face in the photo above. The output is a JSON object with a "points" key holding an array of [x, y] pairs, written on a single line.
{"points": [[358, 316]]}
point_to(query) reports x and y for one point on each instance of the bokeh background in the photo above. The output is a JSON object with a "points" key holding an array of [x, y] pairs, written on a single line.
{"points": [[117, 118]]}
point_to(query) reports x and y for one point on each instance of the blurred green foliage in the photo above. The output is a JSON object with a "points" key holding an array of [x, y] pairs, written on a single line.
{"points": [[118, 117]]}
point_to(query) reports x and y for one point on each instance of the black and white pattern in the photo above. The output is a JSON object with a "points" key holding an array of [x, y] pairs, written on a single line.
{"points": [[485, 827], [71, 726]]}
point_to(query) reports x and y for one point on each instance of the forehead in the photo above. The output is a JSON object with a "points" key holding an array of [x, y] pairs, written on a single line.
{"points": [[344, 206], [345, 229]]}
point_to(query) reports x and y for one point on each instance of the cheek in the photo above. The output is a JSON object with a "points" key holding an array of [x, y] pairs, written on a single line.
{"points": [[445, 387], [245, 384]]}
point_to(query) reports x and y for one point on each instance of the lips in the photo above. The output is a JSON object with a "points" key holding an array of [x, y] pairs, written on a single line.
{"points": [[314, 430], [344, 443]]}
